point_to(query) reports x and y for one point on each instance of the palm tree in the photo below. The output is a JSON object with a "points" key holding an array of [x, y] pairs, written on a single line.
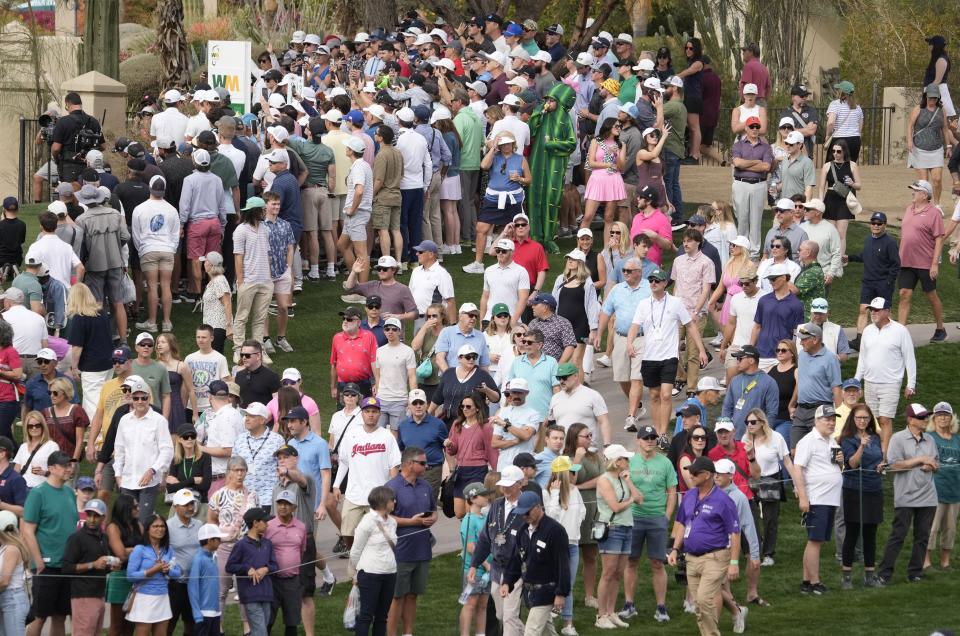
{"points": [[172, 44]]}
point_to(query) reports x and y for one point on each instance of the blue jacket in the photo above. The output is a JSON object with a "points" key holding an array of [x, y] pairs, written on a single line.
{"points": [[286, 185], [203, 586], [142, 559], [252, 554], [758, 391]]}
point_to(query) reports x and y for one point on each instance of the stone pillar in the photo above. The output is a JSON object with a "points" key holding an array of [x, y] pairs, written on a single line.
{"points": [[903, 99], [66, 17], [101, 94], [209, 9]]}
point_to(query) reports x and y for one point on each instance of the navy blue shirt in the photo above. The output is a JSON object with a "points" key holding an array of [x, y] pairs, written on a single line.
{"points": [[429, 435], [13, 488], [867, 479], [880, 258], [412, 500], [376, 330], [93, 334], [713, 254], [37, 397], [288, 188], [247, 554]]}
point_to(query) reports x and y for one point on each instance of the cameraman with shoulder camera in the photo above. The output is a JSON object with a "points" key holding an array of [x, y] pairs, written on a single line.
{"points": [[73, 136]]}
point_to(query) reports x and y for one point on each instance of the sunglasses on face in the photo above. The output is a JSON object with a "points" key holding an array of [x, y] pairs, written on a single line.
{"points": [[147, 345], [787, 127], [344, 320], [247, 355], [34, 425], [629, 271], [140, 398], [654, 281], [776, 246], [585, 435], [529, 342], [374, 306], [116, 361], [500, 250], [383, 269], [877, 223], [519, 334], [473, 316], [504, 315], [754, 127], [351, 394], [752, 422], [433, 315], [41, 361], [612, 232], [838, 151], [470, 356], [464, 407], [422, 462], [649, 438], [521, 224], [53, 393], [783, 351], [188, 437], [698, 438], [391, 328], [562, 377]]}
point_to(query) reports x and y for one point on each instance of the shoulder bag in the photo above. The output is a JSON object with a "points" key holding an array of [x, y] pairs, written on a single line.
{"points": [[601, 529], [425, 368], [334, 462]]}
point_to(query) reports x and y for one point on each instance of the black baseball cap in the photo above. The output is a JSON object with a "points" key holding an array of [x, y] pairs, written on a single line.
{"points": [[688, 410], [58, 458], [374, 302], [351, 387], [799, 89], [879, 217], [7, 444], [350, 312], [747, 351], [259, 514], [525, 460], [701, 464], [647, 432], [219, 388]]}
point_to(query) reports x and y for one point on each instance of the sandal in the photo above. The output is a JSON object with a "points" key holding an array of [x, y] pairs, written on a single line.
{"points": [[758, 601]]}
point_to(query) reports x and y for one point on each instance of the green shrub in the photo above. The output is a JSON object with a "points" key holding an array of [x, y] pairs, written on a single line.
{"points": [[141, 75]]}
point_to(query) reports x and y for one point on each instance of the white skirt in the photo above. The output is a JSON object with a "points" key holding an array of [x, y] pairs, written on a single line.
{"points": [[149, 608], [925, 159], [450, 189]]}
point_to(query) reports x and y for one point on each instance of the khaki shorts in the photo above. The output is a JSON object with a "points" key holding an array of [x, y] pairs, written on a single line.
{"points": [[336, 208], [631, 200], [350, 517], [625, 368], [316, 209], [728, 360], [156, 261], [283, 284], [386, 217]]}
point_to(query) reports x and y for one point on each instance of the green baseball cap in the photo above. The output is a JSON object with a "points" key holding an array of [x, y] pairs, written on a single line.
{"points": [[500, 308], [254, 202], [844, 86], [658, 273], [567, 368]]}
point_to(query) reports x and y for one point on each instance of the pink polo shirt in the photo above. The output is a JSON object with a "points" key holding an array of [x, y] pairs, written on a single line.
{"points": [[919, 231], [289, 541], [659, 223]]}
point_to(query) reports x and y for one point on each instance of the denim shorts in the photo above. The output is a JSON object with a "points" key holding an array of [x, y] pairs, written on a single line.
{"points": [[652, 532], [618, 541]]}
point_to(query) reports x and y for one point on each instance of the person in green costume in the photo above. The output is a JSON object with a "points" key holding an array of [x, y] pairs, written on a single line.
{"points": [[553, 140]]}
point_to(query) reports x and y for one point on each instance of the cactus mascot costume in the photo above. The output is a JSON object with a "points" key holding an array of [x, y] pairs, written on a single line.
{"points": [[553, 140]]}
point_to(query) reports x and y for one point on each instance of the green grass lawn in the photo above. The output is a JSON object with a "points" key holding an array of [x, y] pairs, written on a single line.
{"points": [[902, 608]]}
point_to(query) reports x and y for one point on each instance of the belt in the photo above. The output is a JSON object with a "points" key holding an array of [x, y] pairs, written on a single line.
{"points": [[811, 405], [305, 186], [749, 179], [218, 476], [707, 552], [537, 586]]}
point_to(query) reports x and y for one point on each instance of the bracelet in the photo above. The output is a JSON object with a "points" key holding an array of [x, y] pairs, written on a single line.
{"points": [[735, 562]]}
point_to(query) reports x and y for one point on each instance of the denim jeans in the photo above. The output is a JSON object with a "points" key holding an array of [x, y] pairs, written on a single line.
{"points": [[411, 221], [567, 612], [13, 611], [671, 181], [376, 594], [258, 615], [146, 499]]}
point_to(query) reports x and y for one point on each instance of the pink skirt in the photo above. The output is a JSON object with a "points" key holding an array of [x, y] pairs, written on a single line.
{"points": [[605, 186]]}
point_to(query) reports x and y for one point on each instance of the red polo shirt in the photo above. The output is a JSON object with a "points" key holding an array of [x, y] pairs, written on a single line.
{"points": [[353, 358], [739, 459], [530, 255]]}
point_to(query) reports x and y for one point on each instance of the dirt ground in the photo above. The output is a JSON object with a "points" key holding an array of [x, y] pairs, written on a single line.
{"points": [[884, 188]]}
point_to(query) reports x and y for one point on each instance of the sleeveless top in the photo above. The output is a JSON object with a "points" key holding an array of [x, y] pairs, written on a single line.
{"points": [[16, 578], [692, 86], [177, 417], [928, 129], [931, 71], [570, 305], [747, 112], [785, 383], [622, 493], [500, 173], [592, 265]]}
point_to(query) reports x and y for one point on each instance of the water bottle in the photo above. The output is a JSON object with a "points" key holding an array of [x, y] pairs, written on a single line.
{"points": [[465, 594]]}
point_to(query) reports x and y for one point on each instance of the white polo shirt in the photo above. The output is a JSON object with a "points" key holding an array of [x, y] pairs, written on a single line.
{"points": [[169, 123], [885, 354], [504, 285], [425, 284], [57, 255], [196, 125], [822, 476], [660, 320], [582, 405], [29, 329], [744, 308], [520, 417]]}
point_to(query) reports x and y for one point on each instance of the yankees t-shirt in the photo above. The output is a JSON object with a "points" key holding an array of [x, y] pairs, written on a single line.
{"points": [[369, 458], [205, 368]]}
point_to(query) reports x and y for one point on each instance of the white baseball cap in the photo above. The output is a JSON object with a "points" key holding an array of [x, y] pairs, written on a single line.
{"points": [[709, 383], [362, 36], [308, 94], [505, 244], [795, 137], [498, 58], [518, 384], [422, 39], [724, 467], [543, 56], [279, 133], [210, 531], [291, 373], [479, 87], [468, 308], [584, 231], [376, 110], [355, 144], [276, 100], [387, 261], [416, 395], [616, 451], [183, 497], [312, 38], [815, 204], [723, 424], [517, 81], [576, 255], [784, 204], [653, 83], [624, 37], [446, 63], [440, 33], [440, 113], [406, 114], [645, 65], [466, 350], [256, 409], [741, 241], [333, 115], [750, 89], [510, 475], [584, 59], [172, 96]]}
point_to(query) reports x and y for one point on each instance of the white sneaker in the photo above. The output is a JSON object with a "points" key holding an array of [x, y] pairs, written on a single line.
{"points": [[630, 424], [689, 607], [767, 561], [569, 630], [604, 622], [267, 359], [641, 411], [268, 346], [146, 326], [616, 620], [298, 286], [716, 342], [602, 361], [283, 345], [473, 268], [590, 601], [740, 620]]}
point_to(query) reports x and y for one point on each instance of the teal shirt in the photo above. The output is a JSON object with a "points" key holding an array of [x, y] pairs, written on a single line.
{"points": [[29, 284], [530, 46], [470, 527], [947, 479], [652, 477], [470, 129], [541, 377], [54, 511]]}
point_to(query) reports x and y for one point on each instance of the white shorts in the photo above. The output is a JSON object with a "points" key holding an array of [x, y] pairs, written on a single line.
{"points": [[882, 398], [625, 368], [355, 226]]}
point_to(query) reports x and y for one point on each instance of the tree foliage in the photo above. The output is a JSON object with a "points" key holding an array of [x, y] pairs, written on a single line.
{"points": [[172, 44]]}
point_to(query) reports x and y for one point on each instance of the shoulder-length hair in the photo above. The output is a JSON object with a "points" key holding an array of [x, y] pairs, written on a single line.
{"points": [[792, 346], [479, 402], [80, 301], [850, 426], [765, 430], [45, 431], [165, 541]]}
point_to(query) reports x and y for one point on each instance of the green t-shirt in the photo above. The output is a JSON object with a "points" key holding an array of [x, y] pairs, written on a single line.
{"points": [[652, 477], [54, 510], [156, 377], [947, 479], [470, 129], [628, 90], [317, 158], [675, 114], [30, 286]]}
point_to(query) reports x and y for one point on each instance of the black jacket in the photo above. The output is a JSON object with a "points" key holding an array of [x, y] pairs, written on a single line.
{"points": [[496, 523], [86, 546], [880, 258], [542, 559]]}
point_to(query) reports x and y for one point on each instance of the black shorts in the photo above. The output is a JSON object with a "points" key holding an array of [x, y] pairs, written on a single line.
{"points": [[694, 104], [869, 291], [910, 275], [489, 212], [51, 594], [658, 372], [308, 571], [706, 135], [286, 601]]}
